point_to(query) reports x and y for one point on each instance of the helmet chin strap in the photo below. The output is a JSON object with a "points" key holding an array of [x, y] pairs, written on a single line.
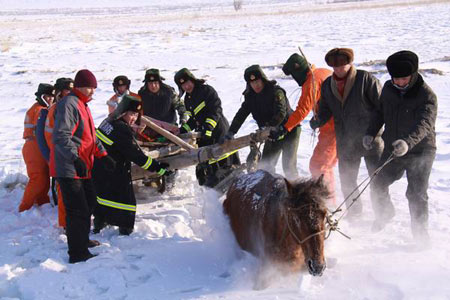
{"points": [[43, 100]]}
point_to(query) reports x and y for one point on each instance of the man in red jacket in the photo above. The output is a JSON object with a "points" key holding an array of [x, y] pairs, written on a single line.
{"points": [[71, 161]]}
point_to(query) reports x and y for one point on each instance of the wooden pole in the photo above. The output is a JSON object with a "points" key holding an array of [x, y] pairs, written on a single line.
{"points": [[191, 158], [167, 134]]}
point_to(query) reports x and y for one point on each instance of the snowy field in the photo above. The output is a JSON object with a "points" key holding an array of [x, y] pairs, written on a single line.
{"points": [[182, 247]]}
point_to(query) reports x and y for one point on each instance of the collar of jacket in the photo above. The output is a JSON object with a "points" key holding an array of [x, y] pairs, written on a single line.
{"points": [[351, 76], [85, 99]]}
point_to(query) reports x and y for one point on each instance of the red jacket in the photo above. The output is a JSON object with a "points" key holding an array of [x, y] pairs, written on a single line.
{"points": [[73, 136]]}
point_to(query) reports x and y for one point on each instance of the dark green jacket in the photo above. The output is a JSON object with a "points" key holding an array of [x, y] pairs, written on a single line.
{"points": [[353, 112], [204, 108], [162, 105], [410, 116], [268, 108]]}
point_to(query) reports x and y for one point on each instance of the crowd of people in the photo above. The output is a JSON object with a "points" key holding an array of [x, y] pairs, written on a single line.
{"points": [[356, 117]]}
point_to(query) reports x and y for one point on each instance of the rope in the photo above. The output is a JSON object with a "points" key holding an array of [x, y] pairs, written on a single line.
{"points": [[371, 177]]}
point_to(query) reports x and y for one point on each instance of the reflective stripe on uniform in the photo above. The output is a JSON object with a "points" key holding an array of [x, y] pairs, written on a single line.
{"points": [[211, 161], [103, 138], [199, 107], [186, 126], [211, 122], [161, 171], [188, 113], [147, 163], [208, 133], [28, 125], [48, 129], [117, 205]]}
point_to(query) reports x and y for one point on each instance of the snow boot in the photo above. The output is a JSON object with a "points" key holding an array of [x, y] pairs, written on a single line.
{"points": [[76, 259], [125, 230]]}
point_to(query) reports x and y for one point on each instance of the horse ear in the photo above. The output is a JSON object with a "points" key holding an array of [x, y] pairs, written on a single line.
{"points": [[289, 187], [319, 180]]}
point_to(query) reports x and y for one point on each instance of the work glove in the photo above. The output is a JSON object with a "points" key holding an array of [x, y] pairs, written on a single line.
{"points": [[160, 167], [228, 136], [400, 148], [185, 128], [314, 123], [367, 142], [277, 134], [109, 163], [80, 167]]}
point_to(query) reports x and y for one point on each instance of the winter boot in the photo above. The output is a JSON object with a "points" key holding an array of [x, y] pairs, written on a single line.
{"points": [[125, 230], [99, 224], [76, 259]]}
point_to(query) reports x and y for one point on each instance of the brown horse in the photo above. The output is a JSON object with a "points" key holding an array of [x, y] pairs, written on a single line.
{"points": [[279, 221]]}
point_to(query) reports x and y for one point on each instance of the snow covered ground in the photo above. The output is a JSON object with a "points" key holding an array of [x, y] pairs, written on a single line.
{"points": [[182, 247]]}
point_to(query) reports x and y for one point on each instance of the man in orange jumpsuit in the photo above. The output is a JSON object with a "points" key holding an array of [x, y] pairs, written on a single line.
{"points": [[310, 79], [38, 185]]}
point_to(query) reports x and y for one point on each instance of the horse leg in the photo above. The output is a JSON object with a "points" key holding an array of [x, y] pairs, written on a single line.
{"points": [[263, 275]]}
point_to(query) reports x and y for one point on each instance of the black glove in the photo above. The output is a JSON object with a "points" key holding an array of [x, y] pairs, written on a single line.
{"points": [[160, 167], [80, 167], [314, 123], [226, 137], [277, 134], [109, 163]]}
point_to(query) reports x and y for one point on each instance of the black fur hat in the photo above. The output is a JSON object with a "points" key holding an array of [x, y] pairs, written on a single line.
{"points": [[402, 64]]}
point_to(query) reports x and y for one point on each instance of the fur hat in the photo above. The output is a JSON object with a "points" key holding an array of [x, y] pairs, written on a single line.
{"points": [[184, 75], [45, 89], [254, 72], [128, 103], [297, 67], [85, 78], [121, 80], [153, 75], [63, 84], [402, 64], [338, 57]]}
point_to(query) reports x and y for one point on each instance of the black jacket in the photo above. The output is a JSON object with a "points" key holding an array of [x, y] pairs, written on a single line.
{"points": [[353, 113], [162, 105], [115, 195], [269, 108], [410, 116], [204, 108]]}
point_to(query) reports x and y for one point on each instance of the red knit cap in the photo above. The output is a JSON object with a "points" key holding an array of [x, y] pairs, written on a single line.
{"points": [[85, 78]]}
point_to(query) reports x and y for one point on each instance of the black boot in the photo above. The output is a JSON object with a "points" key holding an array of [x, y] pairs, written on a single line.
{"points": [[99, 224], [76, 259], [125, 230]]}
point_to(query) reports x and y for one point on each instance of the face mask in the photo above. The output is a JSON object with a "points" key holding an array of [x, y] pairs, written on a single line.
{"points": [[401, 89]]}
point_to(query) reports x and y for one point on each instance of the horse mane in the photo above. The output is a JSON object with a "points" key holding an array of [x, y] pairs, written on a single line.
{"points": [[306, 191]]}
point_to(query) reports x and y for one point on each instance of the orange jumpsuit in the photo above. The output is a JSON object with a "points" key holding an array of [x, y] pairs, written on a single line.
{"points": [[324, 157], [38, 185], [49, 124]]}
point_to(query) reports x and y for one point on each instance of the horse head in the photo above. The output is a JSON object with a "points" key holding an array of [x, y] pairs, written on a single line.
{"points": [[305, 214]]}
